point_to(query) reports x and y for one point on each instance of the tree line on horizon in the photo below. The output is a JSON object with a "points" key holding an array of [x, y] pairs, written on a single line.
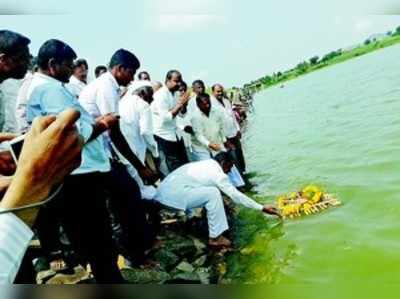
{"points": [[303, 67]]}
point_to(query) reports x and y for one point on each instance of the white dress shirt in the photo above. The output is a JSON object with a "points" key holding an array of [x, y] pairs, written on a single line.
{"points": [[137, 125], [101, 97], [9, 89], [164, 124], [75, 86], [231, 125], [175, 191], [15, 236], [208, 129]]}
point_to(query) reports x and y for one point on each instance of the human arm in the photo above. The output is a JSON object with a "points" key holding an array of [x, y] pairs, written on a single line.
{"points": [[51, 150], [123, 147]]}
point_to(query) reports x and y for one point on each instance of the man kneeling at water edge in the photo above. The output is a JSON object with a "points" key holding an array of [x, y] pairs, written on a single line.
{"points": [[198, 185]]}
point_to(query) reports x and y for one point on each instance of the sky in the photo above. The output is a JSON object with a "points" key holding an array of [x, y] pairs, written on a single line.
{"points": [[227, 41]]}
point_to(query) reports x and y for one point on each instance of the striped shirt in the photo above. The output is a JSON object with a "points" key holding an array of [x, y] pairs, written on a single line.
{"points": [[15, 236]]}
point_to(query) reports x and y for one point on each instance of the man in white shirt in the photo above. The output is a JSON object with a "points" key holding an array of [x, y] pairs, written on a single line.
{"points": [[99, 98], [78, 80], [166, 108], [232, 127], [198, 87], [209, 129], [184, 124], [137, 127], [9, 89], [210, 135], [198, 185]]}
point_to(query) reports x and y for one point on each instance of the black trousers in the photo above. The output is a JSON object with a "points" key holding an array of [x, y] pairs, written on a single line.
{"points": [[82, 211], [136, 233], [238, 154], [173, 152]]}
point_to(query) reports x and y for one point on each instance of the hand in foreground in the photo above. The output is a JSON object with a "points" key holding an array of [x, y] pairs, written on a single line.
{"points": [[271, 211], [51, 151]]}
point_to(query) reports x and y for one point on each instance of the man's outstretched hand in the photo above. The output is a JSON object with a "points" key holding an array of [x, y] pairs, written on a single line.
{"points": [[271, 211]]}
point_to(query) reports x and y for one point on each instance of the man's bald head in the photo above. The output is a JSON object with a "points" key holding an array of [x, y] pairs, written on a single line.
{"points": [[218, 91]]}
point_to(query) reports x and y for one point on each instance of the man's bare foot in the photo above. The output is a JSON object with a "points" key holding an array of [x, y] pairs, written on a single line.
{"points": [[220, 242]]}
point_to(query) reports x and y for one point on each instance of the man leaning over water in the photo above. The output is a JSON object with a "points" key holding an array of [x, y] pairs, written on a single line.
{"points": [[199, 185]]}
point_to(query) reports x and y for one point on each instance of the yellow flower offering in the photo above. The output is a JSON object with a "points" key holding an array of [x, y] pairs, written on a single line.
{"points": [[308, 201]]}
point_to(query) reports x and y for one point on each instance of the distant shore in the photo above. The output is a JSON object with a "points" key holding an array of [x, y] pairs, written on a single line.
{"points": [[316, 63]]}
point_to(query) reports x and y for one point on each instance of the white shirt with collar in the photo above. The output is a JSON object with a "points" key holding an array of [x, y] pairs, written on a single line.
{"points": [[177, 187], [164, 124], [231, 125], [75, 86], [15, 236], [208, 129], [101, 96]]}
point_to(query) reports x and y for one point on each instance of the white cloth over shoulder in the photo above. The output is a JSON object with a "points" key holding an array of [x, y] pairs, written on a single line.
{"points": [[14, 240], [176, 190]]}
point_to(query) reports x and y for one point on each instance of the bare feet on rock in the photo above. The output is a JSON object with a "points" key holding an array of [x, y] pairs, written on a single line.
{"points": [[219, 243]]}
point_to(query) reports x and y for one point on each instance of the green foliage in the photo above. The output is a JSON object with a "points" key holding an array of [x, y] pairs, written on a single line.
{"points": [[367, 42], [398, 30], [314, 60]]}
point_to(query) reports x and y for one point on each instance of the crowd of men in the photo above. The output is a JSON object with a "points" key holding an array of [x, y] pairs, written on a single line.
{"points": [[110, 154]]}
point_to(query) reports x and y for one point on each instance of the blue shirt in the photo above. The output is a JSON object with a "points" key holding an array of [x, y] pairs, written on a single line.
{"points": [[51, 98]]}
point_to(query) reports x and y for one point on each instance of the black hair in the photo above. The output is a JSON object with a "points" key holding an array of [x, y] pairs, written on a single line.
{"points": [[124, 58], [54, 49], [215, 86], [171, 73], [142, 73], [12, 42], [81, 62], [201, 97], [144, 91], [98, 69], [224, 157], [198, 82], [183, 84]]}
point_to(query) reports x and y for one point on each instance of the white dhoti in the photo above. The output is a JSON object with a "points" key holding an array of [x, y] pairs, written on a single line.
{"points": [[209, 198]]}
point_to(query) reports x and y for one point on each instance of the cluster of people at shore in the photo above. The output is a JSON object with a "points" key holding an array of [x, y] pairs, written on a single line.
{"points": [[110, 154]]}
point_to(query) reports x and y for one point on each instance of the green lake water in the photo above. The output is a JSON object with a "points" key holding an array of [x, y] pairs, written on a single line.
{"points": [[338, 128]]}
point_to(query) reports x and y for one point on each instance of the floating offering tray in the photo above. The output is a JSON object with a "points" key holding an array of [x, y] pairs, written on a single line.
{"points": [[310, 200]]}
